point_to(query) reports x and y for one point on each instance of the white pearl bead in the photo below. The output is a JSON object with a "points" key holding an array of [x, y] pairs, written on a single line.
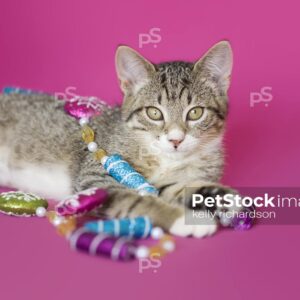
{"points": [[92, 146], [157, 233], [169, 246], [41, 211], [142, 252], [83, 121]]}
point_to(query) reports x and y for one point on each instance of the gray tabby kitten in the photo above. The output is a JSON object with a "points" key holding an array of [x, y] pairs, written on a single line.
{"points": [[170, 128]]}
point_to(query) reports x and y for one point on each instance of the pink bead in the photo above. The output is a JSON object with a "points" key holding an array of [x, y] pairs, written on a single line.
{"points": [[82, 202], [80, 107]]}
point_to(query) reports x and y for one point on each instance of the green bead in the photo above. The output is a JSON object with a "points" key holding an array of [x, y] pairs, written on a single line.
{"points": [[20, 204]]}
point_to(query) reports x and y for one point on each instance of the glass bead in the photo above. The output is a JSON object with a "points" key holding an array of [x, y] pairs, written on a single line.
{"points": [[88, 134], [67, 227], [166, 238], [99, 154], [157, 251]]}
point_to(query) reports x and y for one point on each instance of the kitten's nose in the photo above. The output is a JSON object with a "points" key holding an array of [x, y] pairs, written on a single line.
{"points": [[176, 136], [176, 143]]}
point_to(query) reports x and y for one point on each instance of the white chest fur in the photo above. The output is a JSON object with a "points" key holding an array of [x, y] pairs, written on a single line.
{"points": [[182, 167], [47, 180], [174, 167]]}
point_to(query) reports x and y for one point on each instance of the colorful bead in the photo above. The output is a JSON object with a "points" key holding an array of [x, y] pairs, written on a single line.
{"points": [[166, 238], [243, 221], [101, 244], [166, 244], [64, 225], [82, 202], [139, 227], [100, 154], [55, 219], [121, 171], [157, 251], [87, 134], [21, 204], [87, 107], [67, 226]]}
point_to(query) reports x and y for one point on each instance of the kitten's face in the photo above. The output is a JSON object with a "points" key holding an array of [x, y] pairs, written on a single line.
{"points": [[180, 107]]}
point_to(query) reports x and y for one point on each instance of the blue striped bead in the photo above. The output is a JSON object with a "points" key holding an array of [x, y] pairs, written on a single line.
{"points": [[139, 227], [121, 171]]}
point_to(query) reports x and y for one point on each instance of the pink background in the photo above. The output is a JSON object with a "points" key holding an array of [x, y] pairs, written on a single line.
{"points": [[50, 45]]}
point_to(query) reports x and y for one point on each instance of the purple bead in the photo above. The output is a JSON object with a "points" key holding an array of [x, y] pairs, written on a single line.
{"points": [[102, 245], [243, 221]]}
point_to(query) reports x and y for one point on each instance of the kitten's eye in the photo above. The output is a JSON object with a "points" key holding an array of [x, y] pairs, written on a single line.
{"points": [[154, 113], [195, 113]]}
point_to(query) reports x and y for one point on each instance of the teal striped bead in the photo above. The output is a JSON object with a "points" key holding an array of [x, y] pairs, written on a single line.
{"points": [[138, 228]]}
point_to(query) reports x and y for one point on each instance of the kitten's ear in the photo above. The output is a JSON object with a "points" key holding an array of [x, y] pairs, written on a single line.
{"points": [[133, 70], [217, 63]]}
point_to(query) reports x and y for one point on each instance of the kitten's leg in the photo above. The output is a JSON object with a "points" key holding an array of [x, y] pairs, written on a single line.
{"points": [[123, 202]]}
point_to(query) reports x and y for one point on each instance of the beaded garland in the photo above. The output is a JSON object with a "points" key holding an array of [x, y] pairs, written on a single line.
{"points": [[118, 247], [109, 241]]}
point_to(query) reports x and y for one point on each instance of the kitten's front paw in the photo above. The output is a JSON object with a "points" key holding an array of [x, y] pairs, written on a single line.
{"points": [[220, 210], [206, 227]]}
